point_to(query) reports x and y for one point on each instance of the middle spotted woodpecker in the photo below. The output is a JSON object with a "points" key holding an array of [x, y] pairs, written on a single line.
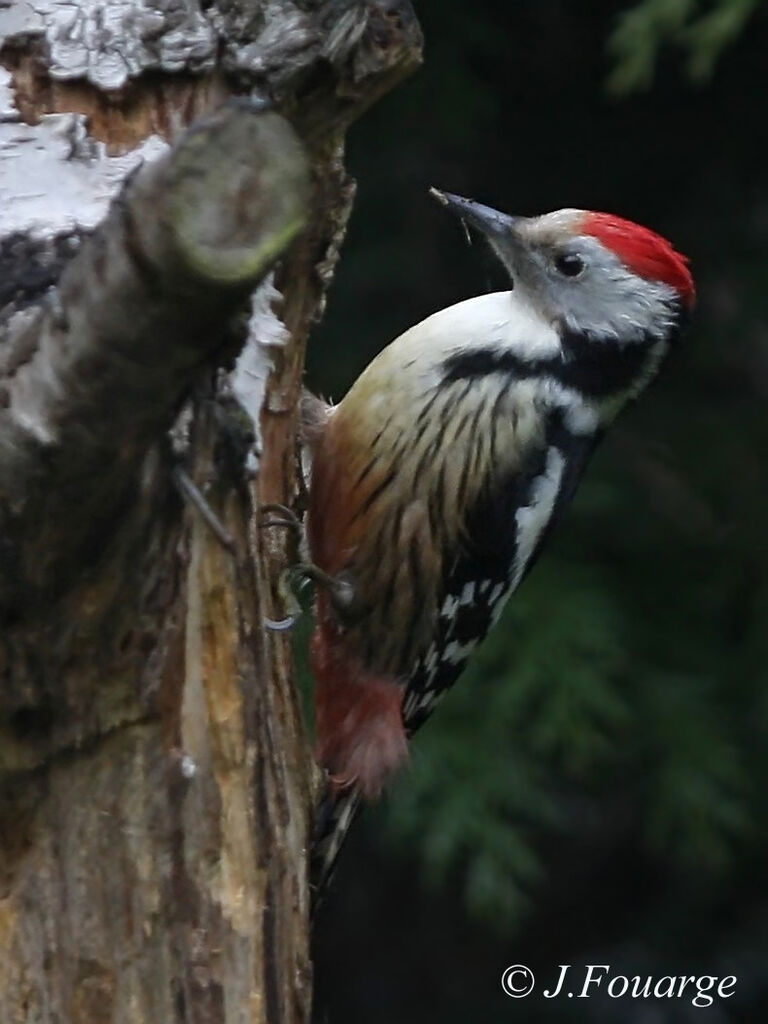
{"points": [[437, 479]]}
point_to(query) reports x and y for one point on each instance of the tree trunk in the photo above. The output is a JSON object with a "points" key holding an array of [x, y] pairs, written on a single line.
{"points": [[157, 783]]}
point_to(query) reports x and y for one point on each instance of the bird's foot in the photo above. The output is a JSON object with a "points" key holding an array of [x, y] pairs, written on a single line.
{"points": [[287, 518], [340, 590], [289, 601]]}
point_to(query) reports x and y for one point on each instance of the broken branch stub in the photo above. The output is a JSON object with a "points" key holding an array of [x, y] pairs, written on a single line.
{"points": [[95, 375], [237, 194]]}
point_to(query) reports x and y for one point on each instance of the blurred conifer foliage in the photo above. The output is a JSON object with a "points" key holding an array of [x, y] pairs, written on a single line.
{"points": [[702, 30]]}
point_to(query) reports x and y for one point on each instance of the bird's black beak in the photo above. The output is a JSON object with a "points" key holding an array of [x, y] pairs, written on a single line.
{"points": [[501, 231], [489, 222]]}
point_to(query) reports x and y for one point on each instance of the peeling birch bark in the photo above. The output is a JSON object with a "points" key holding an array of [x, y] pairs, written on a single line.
{"points": [[155, 779], [145, 302]]}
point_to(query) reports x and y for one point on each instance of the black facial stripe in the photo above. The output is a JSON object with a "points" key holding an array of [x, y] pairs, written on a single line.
{"points": [[596, 369], [481, 362], [600, 368]]}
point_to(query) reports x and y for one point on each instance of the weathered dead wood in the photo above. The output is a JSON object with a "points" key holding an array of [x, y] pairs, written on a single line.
{"points": [[155, 779], [147, 300]]}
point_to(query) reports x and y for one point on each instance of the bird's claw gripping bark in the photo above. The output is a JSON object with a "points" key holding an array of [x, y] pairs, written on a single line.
{"points": [[288, 518], [291, 603], [340, 590]]}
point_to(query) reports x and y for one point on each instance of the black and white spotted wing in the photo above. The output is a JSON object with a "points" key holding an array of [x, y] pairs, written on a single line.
{"points": [[505, 533]]}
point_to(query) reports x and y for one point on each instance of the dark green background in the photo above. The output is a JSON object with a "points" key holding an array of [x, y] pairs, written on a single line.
{"points": [[595, 788]]}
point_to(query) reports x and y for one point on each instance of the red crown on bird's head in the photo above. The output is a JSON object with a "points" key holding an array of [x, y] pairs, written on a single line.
{"points": [[643, 251]]}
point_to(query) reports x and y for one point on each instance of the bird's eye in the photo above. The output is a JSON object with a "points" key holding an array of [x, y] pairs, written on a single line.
{"points": [[569, 264]]}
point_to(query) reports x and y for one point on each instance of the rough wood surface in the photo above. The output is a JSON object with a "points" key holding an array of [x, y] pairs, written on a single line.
{"points": [[182, 247], [155, 779]]}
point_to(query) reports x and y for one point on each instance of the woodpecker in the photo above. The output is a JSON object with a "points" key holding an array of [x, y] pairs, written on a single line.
{"points": [[437, 479]]}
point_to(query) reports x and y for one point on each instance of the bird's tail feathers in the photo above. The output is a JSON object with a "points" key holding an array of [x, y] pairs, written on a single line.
{"points": [[333, 819]]}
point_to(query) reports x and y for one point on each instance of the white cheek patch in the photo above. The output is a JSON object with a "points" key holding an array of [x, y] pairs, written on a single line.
{"points": [[532, 519], [614, 302]]}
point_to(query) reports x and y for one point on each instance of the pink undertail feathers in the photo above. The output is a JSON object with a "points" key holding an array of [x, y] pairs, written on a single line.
{"points": [[361, 740]]}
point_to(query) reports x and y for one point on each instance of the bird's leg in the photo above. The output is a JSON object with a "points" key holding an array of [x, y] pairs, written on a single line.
{"points": [[288, 518], [340, 590]]}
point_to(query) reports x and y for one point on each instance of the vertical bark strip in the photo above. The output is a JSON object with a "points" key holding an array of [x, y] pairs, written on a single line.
{"points": [[155, 778]]}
